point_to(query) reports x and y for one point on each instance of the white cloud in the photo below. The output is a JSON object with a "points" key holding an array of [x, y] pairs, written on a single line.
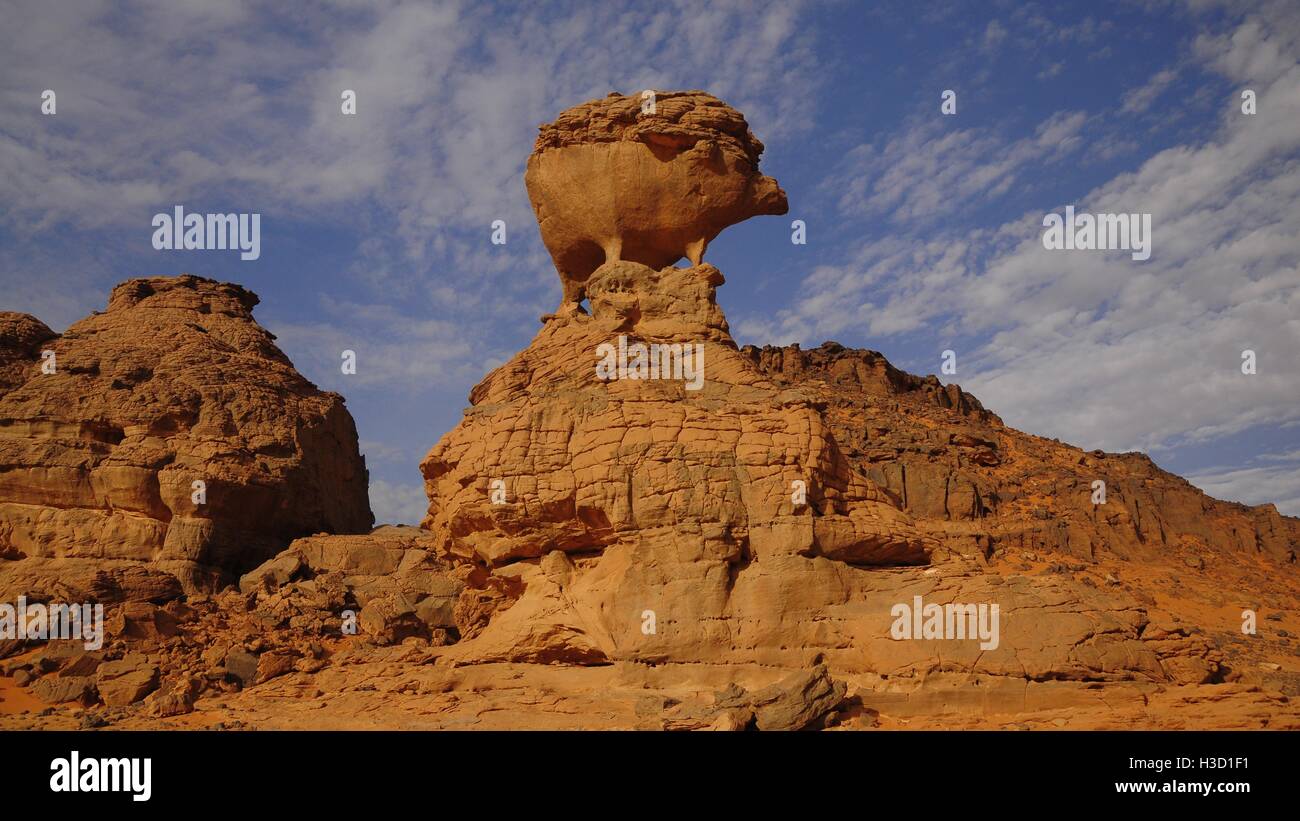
{"points": [[449, 96], [1140, 98], [994, 35], [1094, 347], [393, 351], [932, 170], [375, 451], [171, 103], [397, 504], [1253, 485]]}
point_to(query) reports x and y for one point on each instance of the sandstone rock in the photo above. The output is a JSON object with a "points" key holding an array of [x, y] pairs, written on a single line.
{"points": [[651, 564], [132, 583], [60, 690], [272, 573], [677, 491], [137, 620], [170, 703], [437, 611], [391, 619], [645, 521], [174, 383], [56, 655], [242, 665], [22, 338], [609, 181], [106, 581], [11, 666], [801, 701], [83, 664], [270, 665], [401, 587], [126, 681]]}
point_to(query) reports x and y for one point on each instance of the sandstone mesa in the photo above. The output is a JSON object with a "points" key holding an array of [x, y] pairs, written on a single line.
{"points": [[621, 553]]}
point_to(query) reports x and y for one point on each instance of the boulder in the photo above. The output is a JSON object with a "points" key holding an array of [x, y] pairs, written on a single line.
{"points": [[63, 689], [798, 702], [242, 665], [126, 681]]}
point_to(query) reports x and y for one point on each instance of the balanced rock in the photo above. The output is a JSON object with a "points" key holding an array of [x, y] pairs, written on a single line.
{"points": [[639, 524], [635, 488], [170, 431], [644, 180]]}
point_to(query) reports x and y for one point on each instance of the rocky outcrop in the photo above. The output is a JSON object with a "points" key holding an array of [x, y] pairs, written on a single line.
{"points": [[772, 509], [777, 512], [638, 524], [956, 467], [391, 580], [644, 180], [168, 431], [22, 338], [646, 495]]}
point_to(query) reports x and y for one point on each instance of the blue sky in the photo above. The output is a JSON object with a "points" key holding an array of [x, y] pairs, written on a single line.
{"points": [[924, 230]]}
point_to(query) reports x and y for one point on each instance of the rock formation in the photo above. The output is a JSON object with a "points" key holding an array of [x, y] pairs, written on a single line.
{"points": [[627, 497], [22, 338], [775, 517], [613, 180], [638, 524], [174, 384]]}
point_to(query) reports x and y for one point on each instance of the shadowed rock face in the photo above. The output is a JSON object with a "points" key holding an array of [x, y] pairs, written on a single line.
{"points": [[610, 182], [174, 383], [22, 339]]}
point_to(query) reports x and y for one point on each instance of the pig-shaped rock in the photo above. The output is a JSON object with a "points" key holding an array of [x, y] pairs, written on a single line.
{"points": [[647, 178]]}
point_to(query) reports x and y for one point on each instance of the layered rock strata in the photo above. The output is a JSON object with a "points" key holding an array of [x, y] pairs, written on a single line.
{"points": [[168, 431]]}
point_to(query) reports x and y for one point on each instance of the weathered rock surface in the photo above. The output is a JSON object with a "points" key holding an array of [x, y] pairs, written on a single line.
{"points": [[174, 384], [611, 181], [954, 465], [22, 338], [778, 515], [86, 580], [126, 680], [392, 579], [799, 702], [632, 497], [640, 553]]}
